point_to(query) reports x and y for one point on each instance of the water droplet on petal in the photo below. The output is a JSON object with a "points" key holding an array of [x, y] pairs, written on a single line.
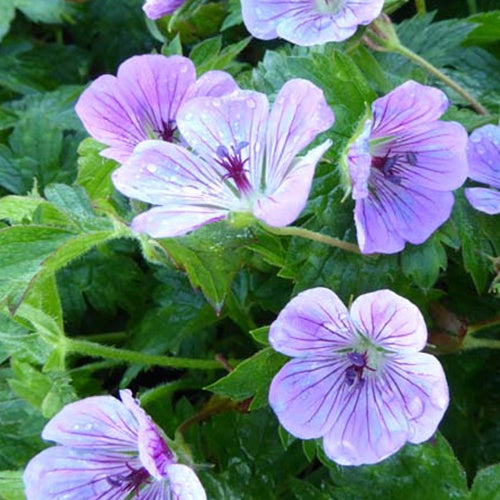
{"points": [[251, 103], [152, 168]]}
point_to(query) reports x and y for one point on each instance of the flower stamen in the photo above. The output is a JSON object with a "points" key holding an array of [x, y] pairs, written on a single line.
{"points": [[234, 165]]}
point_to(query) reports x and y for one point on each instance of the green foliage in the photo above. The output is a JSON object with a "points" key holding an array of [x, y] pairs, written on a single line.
{"points": [[485, 486], [251, 378], [429, 470]]}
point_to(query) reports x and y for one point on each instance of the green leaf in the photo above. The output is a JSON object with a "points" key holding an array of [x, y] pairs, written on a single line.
{"points": [[212, 255], [46, 11], [20, 427], [11, 485], [205, 52], [429, 470], [486, 484], [7, 12], [251, 378], [424, 262], [480, 241], [487, 28]]}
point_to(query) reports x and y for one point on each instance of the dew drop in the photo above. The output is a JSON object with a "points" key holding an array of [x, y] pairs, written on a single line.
{"points": [[184, 68], [251, 103], [152, 168]]}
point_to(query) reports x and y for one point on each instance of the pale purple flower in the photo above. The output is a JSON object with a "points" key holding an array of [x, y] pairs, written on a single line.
{"points": [[111, 450], [155, 9], [357, 379], [308, 22], [484, 166], [243, 160], [143, 100], [403, 167]]}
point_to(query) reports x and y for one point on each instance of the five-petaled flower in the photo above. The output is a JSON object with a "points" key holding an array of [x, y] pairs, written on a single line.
{"points": [[357, 378], [155, 9], [403, 167], [108, 449], [484, 166], [143, 100], [243, 159], [308, 22]]}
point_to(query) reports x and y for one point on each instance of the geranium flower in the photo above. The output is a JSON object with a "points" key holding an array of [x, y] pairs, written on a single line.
{"points": [[403, 167], [243, 160], [111, 450], [308, 22], [155, 9], [484, 166], [142, 101], [357, 379]]}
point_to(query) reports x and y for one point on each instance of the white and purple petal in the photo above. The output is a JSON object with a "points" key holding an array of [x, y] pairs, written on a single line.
{"points": [[155, 9], [213, 84], [307, 392], [282, 206], [308, 22], [419, 384], [394, 213], [409, 105], [389, 321], [484, 199], [365, 426], [299, 114], [74, 474], [236, 122], [97, 422], [484, 155], [315, 322]]}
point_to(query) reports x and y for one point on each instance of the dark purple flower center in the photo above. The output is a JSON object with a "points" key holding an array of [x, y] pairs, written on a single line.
{"points": [[390, 165], [234, 165], [168, 130], [354, 373], [130, 482]]}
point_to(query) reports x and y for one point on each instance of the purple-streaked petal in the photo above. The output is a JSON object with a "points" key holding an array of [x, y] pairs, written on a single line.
{"points": [[159, 84], [315, 322], [409, 105], [62, 472], [155, 9], [283, 205], [111, 114], [184, 483], [154, 453], [299, 114], [484, 199], [419, 385], [390, 321], [303, 22], [97, 422], [437, 152], [306, 392], [365, 427], [394, 213], [172, 221], [238, 119], [484, 155], [163, 173], [213, 84]]}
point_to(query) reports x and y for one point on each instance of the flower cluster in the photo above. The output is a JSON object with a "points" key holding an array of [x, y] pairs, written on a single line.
{"points": [[357, 378], [242, 160], [107, 449]]}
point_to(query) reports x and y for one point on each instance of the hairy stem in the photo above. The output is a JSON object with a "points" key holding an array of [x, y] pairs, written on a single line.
{"points": [[477, 106], [311, 235], [87, 348], [482, 325], [471, 342]]}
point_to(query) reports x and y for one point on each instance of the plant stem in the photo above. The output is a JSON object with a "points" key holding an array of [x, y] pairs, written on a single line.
{"points": [[478, 107], [482, 325], [111, 337], [472, 6], [311, 235], [471, 342], [86, 348], [421, 7]]}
